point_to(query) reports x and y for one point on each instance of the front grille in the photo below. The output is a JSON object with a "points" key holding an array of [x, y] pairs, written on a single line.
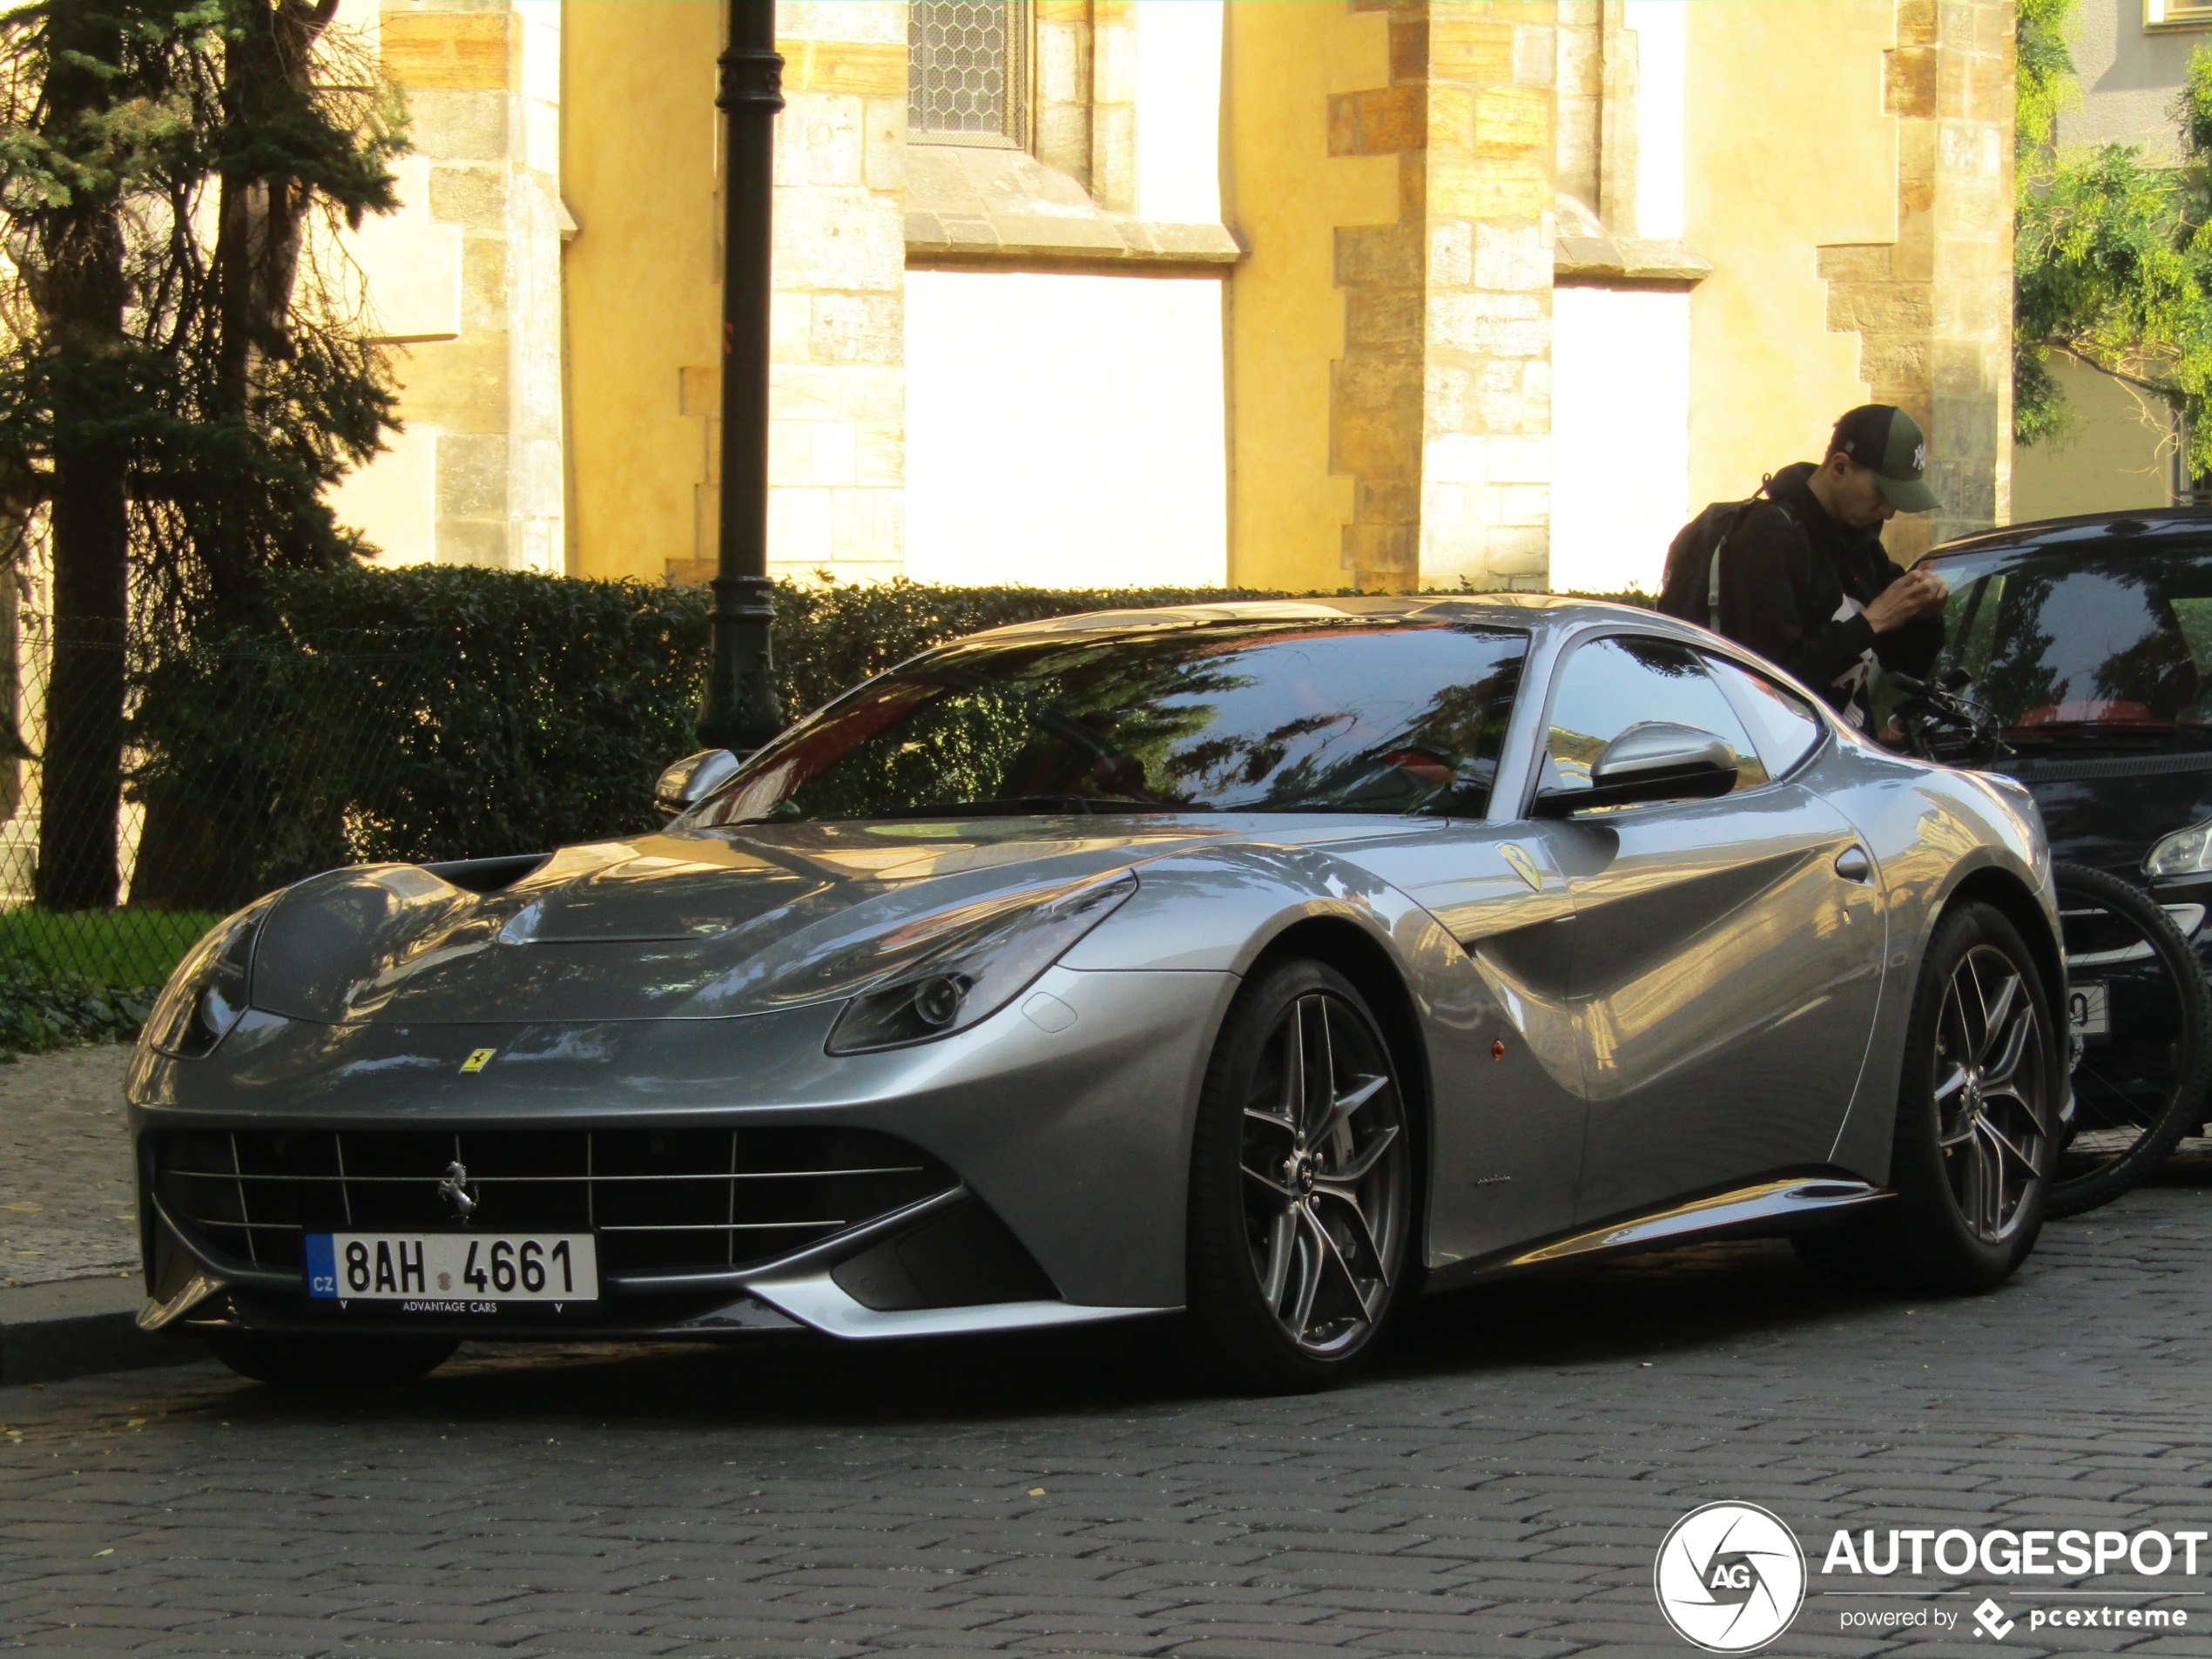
{"points": [[659, 1200]]}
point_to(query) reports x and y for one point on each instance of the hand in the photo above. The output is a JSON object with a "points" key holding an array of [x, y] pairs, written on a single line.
{"points": [[1920, 592]]}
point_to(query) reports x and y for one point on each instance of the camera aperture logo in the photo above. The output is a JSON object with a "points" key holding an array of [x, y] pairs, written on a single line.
{"points": [[1730, 1577]]}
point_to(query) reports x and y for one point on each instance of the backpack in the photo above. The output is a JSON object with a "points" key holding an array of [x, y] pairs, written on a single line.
{"points": [[1691, 587]]}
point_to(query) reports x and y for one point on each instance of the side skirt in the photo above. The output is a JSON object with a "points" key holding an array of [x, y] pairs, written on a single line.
{"points": [[1777, 1206]]}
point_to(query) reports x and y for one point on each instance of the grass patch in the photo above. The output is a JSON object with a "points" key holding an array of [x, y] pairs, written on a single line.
{"points": [[121, 947], [86, 977]]}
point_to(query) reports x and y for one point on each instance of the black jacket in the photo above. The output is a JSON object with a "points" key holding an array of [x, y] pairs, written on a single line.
{"points": [[1783, 585]]}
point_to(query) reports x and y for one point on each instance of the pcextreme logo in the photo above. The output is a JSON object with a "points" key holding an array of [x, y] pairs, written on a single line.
{"points": [[1730, 1577]]}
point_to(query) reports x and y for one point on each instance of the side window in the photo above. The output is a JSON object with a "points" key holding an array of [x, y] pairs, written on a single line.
{"points": [[1782, 725], [1611, 684]]}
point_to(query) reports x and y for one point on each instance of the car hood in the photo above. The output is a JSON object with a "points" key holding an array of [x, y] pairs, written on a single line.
{"points": [[690, 923]]}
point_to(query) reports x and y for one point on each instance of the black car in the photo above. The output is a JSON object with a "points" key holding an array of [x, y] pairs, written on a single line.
{"points": [[2090, 639], [2088, 643]]}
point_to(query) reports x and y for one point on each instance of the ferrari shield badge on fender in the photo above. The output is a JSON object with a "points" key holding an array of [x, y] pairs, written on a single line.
{"points": [[1523, 865], [478, 1060]]}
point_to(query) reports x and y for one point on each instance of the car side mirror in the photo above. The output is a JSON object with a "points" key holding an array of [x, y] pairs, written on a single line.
{"points": [[692, 780], [1657, 760]]}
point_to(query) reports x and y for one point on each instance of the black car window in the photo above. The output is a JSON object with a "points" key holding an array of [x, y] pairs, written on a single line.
{"points": [[1611, 684], [1292, 716], [2066, 646], [1782, 724]]}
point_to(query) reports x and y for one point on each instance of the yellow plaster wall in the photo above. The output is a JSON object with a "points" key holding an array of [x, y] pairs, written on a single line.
{"points": [[638, 172], [1786, 148], [2119, 455], [1284, 193]]}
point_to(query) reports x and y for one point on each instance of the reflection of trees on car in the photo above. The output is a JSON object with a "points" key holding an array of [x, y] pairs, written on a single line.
{"points": [[1995, 635], [2056, 642], [2152, 679], [2018, 677], [1260, 718]]}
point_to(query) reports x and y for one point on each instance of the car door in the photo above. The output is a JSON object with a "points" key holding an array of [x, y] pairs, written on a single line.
{"points": [[1728, 952]]}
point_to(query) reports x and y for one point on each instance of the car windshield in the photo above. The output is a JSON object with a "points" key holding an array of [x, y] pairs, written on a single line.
{"points": [[1278, 717], [2067, 646]]}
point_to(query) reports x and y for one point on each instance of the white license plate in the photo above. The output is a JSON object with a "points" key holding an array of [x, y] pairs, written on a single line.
{"points": [[2088, 1008], [460, 1269]]}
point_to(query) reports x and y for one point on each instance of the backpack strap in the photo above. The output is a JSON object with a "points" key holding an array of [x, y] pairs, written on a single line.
{"points": [[1713, 575]]}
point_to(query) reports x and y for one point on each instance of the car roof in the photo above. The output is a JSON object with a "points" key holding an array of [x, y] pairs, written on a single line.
{"points": [[2096, 529], [1504, 610]]}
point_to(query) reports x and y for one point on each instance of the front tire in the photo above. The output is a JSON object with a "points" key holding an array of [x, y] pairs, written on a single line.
{"points": [[2142, 1089], [1301, 1184], [288, 1360], [1977, 1121]]}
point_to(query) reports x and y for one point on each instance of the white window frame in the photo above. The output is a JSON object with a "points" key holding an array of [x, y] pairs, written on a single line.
{"points": [[2160, 15]]}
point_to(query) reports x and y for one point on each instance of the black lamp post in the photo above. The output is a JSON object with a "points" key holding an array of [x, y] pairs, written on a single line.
{"points": [[740, 712]]}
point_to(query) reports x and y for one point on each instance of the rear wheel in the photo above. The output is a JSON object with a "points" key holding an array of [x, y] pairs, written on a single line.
{"points": [[289, 1359], [2141, 1016], [1977, 1122], [1301, 1183]]}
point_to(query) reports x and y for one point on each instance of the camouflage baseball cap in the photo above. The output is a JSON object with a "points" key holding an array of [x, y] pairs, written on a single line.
{"points": [[1885, 439]]}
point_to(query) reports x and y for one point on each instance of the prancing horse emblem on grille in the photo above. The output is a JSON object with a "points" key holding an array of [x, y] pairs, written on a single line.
{"points": [[454, 1189]]}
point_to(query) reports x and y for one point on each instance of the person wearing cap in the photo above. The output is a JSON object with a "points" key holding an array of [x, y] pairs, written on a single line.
{"points": [[1803, 578]]}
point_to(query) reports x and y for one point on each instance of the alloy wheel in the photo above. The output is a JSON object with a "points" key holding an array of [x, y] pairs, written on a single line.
{"points": [[1327, 1165], [1992, 1082]]}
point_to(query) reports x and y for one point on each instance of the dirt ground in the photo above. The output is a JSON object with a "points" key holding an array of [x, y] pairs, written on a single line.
{"points": [[67, 1204]]}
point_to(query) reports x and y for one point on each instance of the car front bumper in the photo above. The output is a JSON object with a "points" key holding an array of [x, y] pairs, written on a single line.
{"points": [[1059, 1130]]}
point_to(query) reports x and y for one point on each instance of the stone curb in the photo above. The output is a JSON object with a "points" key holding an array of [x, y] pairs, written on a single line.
{"points": [[75, 1327]]}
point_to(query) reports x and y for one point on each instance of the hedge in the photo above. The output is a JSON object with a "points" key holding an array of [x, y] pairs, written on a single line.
{"points": [[444, 711], [40, 1010]]}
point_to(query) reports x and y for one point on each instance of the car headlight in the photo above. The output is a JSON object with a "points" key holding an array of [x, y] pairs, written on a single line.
{"points": [[2184, 852], [950, 970], [207, 992]]}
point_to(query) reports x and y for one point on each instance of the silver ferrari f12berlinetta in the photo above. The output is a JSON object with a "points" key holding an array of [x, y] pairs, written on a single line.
{"points": [[1270, 962]]}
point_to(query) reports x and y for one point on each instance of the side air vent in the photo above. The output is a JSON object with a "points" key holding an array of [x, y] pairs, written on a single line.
{"points": [[959, 1257]]}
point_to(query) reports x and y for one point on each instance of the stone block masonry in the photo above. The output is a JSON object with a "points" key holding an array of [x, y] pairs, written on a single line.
{"points": [[1486, 433], [1441, 403], [1934, 309], [1375, 388], [837, 377], [482, 83]]}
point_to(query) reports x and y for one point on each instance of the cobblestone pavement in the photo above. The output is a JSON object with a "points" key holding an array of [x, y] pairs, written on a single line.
{"points": [[66, 1198], [1498, 1486]]}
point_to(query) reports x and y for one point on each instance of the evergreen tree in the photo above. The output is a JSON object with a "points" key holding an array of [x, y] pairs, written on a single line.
{"points": [[180, 377]]}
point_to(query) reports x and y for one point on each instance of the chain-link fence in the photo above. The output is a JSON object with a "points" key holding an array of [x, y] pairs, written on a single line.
{"points": [[139, 803]]}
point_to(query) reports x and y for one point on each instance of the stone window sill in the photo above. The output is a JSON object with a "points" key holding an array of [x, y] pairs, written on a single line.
{"points": [[1004, 208], [1603, 261]]}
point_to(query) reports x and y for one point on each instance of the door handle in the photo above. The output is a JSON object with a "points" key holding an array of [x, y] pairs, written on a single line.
{"points": [[1853, 865]]}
